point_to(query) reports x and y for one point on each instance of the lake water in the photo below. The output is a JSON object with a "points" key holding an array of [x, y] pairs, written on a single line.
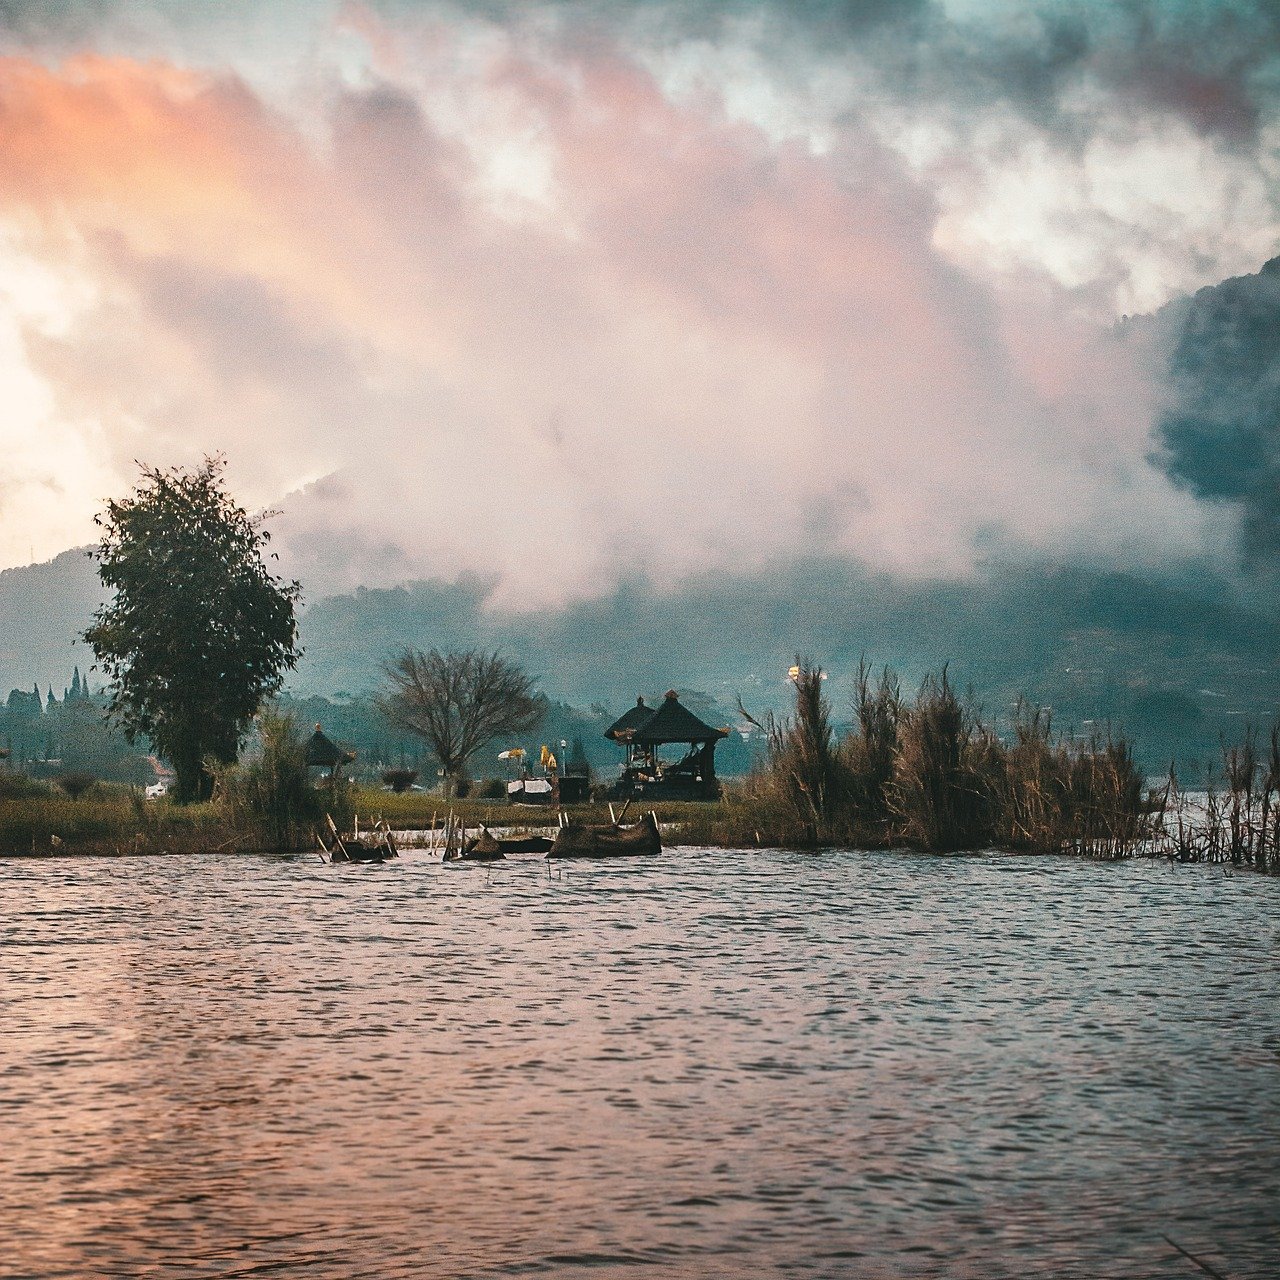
{"points": [[717, 1065]]}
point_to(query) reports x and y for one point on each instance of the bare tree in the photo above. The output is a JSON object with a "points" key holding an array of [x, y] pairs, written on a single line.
{"points": [[458, 702]]}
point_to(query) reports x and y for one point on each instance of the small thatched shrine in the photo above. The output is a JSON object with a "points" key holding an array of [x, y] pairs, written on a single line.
{"points": [[324, 753], [643, 729]]}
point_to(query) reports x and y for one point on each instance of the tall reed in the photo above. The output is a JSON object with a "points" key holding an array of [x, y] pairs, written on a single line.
{"points": [[1237, 823], [269, 794], [941, 790], [932, 774], [870, 751], [805, 775]]}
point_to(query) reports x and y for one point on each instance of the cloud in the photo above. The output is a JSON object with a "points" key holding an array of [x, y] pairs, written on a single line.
{"points": [[1211, 63], [651, 335]]}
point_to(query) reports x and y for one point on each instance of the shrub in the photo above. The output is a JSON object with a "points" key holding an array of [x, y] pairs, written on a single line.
{"points": [[271, 794], [75, 783], [18, 786], [492, 789], [399, 780]]}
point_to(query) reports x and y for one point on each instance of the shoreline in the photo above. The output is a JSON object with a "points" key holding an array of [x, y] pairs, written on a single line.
{"points": [[114, 824]]}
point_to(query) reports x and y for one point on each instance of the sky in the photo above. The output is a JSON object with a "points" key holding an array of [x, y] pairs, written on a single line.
{"points": [[571, 294]]}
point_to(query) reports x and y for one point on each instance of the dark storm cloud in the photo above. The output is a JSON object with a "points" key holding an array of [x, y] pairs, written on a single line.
{"points": [[1222, 431], [1212, 65], [1215, 65]]}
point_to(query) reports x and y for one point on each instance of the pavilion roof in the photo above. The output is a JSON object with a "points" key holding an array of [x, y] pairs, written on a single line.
{"points": [[672, 722], [629, 721], [324, 753]]}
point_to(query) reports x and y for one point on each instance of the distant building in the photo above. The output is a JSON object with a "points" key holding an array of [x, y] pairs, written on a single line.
{"points": [[642, 730], [324, 753], [164, 778]]}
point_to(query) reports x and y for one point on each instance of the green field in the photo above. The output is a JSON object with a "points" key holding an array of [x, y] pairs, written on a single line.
{"points": [[415, 810], [111, 820]]}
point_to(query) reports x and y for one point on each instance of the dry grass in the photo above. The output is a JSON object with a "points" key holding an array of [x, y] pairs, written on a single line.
{"points": [[931, 774], [109, 821]]}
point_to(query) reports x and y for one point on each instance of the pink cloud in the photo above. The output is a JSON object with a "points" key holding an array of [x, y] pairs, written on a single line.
{"points": [[710, 350]]}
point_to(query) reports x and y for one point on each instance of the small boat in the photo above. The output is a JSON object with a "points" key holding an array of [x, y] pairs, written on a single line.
{"points": [[363, 851], [486, 847], [377, 845], [522, 844], [585, 840], [481, 848]]}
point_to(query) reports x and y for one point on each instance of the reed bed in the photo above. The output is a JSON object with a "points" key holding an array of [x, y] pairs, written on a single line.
{"points": [[931, 774], [1235, 820]]}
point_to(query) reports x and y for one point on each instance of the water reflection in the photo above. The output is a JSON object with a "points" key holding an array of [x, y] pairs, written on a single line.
{"points": [[715, 1065]]}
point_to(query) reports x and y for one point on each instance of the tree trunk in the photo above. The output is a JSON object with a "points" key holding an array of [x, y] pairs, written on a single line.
{"points": [[190, 780]]}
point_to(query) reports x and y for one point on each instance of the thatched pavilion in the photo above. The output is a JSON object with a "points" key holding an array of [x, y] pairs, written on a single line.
{"points": [[643, 729], [324, 753]]}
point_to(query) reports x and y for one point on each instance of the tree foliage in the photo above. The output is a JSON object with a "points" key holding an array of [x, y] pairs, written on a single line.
{"points": [[199, 631], [458, 702]]}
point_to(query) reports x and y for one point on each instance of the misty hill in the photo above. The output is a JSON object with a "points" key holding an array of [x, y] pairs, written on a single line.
{"points": [[1222, 428], [1176, 664], [1177, 661], [43, 608]]}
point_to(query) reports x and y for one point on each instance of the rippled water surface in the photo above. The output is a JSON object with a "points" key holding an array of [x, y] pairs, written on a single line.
{"points": [[712, 1065]]}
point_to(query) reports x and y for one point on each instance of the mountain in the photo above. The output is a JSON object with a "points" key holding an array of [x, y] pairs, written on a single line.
{"points": [[1222, 427], [43, 608], [1177, 664]]}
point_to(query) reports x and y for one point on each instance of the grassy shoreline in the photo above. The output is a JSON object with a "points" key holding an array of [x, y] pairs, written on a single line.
{"points": [[112, 821], [927, 775], [117, 822]]}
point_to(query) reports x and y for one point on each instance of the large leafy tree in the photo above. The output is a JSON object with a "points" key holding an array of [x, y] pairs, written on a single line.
{"points": [[199, 631], [458, 702]]}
